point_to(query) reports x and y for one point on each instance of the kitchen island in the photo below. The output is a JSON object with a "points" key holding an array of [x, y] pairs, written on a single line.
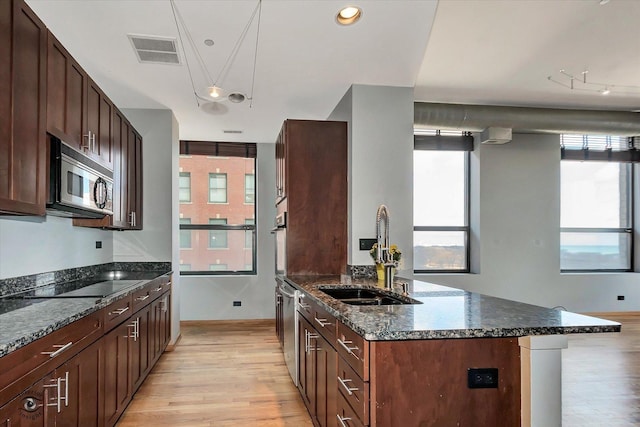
{"points": [[450, 358]]}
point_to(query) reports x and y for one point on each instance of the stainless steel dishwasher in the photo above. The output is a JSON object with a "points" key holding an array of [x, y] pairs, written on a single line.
{"points": [[290, 328]]}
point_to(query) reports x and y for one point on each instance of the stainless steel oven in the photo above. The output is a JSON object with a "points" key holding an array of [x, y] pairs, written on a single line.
{"points": [[78, 186], [280, 232]]}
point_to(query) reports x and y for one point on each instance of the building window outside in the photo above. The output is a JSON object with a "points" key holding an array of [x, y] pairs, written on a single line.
{"points": [[441, 211], [249, 188], [185, 187], [218, 238], [248, 235], [596, 216], [185, 235], [222, 225], [218, 188]]}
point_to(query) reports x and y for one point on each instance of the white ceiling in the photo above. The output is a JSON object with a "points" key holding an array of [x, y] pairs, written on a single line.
{"points": [[460, 51]]}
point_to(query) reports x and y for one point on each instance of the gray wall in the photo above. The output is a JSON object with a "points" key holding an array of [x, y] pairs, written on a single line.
{"points": [[159, 130], [211, 297], [31, 245]]}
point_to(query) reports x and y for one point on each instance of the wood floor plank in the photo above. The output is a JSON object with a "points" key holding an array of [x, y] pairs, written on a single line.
{"points": [[221, 374], [233, 374]]}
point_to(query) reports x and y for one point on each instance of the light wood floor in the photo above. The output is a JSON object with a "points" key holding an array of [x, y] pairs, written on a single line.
{"points": [[230, 374], [233, 374]]}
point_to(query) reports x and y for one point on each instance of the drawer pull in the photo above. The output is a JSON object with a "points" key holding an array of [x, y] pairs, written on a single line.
{"points": [[322, 322], [342, 420], [119, 311], [349, 349], [343, 383], [304, 306], [60, 349], [142, 298], [308, 337], [158, 289]]}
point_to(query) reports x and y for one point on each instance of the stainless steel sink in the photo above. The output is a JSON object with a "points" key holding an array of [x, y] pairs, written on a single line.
{"points": [[366, 296]]}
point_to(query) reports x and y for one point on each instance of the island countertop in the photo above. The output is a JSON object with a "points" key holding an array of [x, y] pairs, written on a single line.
{"points": [[445, 313]]}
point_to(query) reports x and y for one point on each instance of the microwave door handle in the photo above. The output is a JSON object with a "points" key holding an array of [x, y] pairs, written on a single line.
{"points": [[100, 188]]}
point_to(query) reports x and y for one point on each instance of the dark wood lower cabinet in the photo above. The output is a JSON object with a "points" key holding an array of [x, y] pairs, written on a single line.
{"points": [[116, 367]]}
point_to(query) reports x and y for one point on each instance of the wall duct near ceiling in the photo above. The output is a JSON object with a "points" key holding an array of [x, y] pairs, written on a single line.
{"points": [[476, 118]]}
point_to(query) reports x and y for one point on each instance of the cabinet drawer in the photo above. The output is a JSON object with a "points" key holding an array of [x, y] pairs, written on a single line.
{"points": [[354, 390], [325, 323], [354, 350], [24, 366], [117, 312], [306, 307], [346, 417], [141, 298], [159, 286]]}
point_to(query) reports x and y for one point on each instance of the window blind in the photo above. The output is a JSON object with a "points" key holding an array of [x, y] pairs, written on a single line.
{"points": [[219, 149], [599, 148]]}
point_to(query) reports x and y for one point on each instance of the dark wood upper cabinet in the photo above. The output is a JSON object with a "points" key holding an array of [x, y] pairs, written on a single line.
{"points": [[126, 148], [312, 168], [23, 45], [78, 112]]}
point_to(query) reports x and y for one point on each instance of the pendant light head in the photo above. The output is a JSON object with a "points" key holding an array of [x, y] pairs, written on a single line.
{"points": [[215, 92]]}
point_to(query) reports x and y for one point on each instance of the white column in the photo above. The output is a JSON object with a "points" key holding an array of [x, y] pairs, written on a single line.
{"points": [[541, 380]]}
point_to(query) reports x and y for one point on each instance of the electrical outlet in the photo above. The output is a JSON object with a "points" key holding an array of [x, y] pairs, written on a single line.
{"points": [[367, 244], [237, 303], [620, 297], [482, 378], [98, 244]]}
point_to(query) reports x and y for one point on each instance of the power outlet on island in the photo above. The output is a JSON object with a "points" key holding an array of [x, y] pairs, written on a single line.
{"points": [[482, 378], [620, 297], [237, 303], [98, 244]]}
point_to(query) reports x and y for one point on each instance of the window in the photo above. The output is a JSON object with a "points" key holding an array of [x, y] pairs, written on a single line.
{"points": [[248, 235], [249, 188], [185, 235], [441, 207], [217, 228], [185, 187], [218, 238], [218, 188], [596, 216]]}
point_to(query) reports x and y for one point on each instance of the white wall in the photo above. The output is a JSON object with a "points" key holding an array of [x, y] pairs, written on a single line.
{"points": [[515, 208], [380, 164], [159, 131], [211, 297], [31, 245]]}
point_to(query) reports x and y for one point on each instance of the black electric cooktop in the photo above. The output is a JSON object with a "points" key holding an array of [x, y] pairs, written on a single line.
{"points": [[97, 290]]}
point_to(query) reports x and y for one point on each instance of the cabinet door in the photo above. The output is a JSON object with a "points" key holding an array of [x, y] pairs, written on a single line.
{"points": [[32, 407], [140, 347], [165, 325], [23, 45], [99, 126], [83, 397], [117, 385], [326, 383], [134, 178], [66, 96], [307, 365], [120, 130], [280, 165]]}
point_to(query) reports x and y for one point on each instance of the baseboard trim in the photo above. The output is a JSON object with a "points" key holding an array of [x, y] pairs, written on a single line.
{"points": [[256, 322], [173, 346]]}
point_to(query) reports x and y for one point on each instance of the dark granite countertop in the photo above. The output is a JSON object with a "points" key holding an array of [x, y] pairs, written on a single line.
{"points": [[25, 320], [445, 313]]}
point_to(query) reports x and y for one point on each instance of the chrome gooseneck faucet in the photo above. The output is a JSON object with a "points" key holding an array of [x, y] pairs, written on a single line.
{"points": [[384, 255]]}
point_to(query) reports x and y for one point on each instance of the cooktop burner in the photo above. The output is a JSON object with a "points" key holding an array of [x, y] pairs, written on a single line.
{"points": [[98, 290]]}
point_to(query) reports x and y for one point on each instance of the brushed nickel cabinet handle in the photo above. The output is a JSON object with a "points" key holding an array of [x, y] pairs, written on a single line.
{"points": [[349, 349], [119, 311], [60, 349], [343, 383], [342, 420]]}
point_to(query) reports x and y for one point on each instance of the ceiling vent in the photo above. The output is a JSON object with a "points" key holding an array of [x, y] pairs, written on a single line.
{"points": [[492, 135], [155, 50]]}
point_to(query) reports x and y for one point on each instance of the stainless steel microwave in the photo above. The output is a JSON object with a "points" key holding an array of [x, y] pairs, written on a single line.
{"points": [[78, 186]]}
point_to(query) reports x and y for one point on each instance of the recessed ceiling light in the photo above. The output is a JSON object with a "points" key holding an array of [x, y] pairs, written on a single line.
{"points": [[348, 15], [236, 97], [604, 2], [208, 42], [605, 91]]}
